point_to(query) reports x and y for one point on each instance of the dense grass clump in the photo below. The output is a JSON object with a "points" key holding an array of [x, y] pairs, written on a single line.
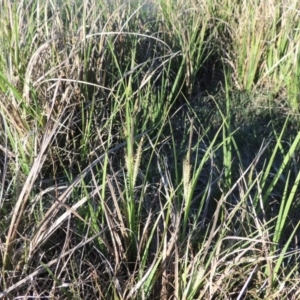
{"points": [[149, 149]]}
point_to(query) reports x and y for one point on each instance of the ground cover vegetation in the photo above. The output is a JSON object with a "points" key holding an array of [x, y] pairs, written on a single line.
{"points": [[149, 150]]}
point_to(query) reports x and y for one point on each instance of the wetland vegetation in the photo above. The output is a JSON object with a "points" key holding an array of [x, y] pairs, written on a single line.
{"points": [[149, 149]]}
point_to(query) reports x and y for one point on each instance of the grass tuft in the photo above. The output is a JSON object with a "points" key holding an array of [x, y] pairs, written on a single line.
{"points": [[149, 149]]}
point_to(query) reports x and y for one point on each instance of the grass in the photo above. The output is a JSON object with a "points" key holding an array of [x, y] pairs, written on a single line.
{"points": [[149, 150]]}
